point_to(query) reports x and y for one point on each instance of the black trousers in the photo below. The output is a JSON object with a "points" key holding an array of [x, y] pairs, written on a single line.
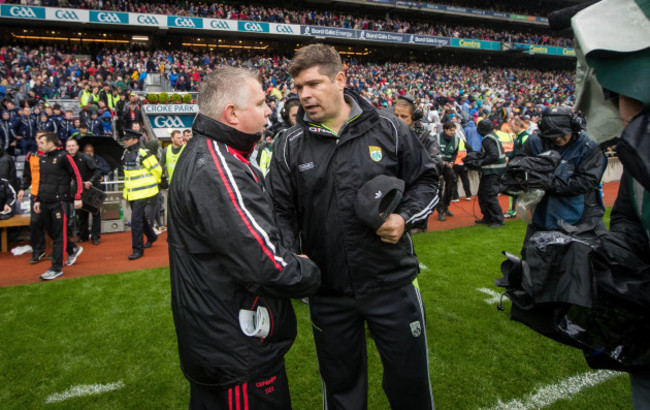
{"points": [[270, 392], [95, 229], [461, 172], [36, 234], [55, 216], [449, 179], [396, 320], [488, 191], [140, 225]]}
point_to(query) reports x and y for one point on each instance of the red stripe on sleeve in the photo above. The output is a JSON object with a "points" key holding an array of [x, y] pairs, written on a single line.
{"points": [[245, 390], [80, 184], [265, 249]]}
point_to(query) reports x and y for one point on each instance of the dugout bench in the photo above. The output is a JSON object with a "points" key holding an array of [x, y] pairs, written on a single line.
{"points": [[14, 221]]}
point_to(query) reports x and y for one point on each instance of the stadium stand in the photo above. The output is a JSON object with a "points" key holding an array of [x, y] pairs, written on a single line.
{"points": [[368, 18]]}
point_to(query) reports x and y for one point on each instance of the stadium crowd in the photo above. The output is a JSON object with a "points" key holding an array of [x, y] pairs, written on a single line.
{"points": [[40, 73], [377, 21], [508, 6]]}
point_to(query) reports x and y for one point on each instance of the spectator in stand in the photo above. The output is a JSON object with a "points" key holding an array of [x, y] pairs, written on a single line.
{"points": [[94, 124], [46, 124], [83, 132], [7, 133], [131, 114], [65, 127], [107, 123], [25, 130]]}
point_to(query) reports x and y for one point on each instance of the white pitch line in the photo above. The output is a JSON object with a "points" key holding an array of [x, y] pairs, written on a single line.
{"points": [[84, 390], [495, 296], [547, 395]]}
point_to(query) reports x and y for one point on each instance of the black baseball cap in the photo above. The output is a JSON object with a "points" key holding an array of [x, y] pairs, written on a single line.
{"points": [[377, 199], [130, 134]]}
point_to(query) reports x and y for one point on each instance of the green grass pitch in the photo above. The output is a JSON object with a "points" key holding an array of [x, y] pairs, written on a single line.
{"points": [[118, 328]]}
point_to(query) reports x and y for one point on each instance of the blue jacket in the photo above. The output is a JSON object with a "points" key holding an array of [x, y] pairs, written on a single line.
{"points": [[573, 194], [473, 139]]}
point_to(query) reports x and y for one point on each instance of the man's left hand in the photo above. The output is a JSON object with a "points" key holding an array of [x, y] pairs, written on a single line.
{"points": [[78, 204], [392, 230]]}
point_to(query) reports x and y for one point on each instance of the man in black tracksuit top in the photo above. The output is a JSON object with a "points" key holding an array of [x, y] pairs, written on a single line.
{"points": [[448, 142], [226, 259], [339, 143], [58, 173], [91, 174]]}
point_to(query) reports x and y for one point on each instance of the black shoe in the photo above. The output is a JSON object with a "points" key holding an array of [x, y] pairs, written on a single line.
{"points": [[496, 224], [135, 255], [96, 241], [441, 217], [448, 213], [149, 243], [481, 221], [37, 258]]}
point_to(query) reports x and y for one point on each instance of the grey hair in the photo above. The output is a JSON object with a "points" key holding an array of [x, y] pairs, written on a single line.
{"points": [[225, 86]]}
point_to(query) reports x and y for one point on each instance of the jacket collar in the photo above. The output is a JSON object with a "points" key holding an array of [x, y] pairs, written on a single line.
{"points": [[210, 128], [361, 111]]}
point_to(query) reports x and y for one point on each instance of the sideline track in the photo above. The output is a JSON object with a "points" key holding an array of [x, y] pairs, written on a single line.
{"points": [[111, 255]]}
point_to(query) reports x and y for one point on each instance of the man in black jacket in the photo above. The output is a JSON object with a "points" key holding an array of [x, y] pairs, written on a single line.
{"points": [[573, 193], [58, 171], [90, 175], [492, 162], [406, 110], [339, 143], [222, 238]]}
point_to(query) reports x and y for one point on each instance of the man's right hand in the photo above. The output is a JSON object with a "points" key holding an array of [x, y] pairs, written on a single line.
{"points": [[37, 207], [21, 195]]}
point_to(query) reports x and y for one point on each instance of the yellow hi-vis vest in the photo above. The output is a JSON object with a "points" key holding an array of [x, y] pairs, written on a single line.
{"points": [[171, 159], [141, 176], [85, 98]]}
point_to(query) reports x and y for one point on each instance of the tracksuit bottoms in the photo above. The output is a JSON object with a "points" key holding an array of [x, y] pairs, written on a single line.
{"points": [[396, 321]]}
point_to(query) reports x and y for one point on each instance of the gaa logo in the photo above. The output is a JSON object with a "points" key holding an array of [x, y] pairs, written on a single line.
{"points": [[147, 20], [283, 29], [105, 17], [183, 22], [66, 15], [253, 27], [219, 24], [162, 121], [23, 12]]}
